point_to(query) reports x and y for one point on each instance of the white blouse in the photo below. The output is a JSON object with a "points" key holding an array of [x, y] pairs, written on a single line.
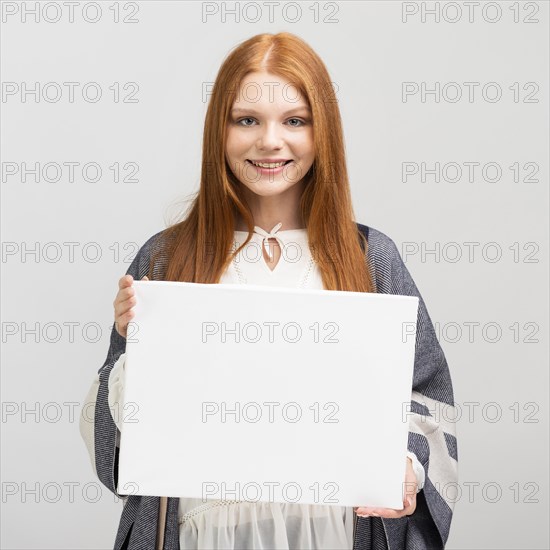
{"points": [[295, 268], [235, 524]]}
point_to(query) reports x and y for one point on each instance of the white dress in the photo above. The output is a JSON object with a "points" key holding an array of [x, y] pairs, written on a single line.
{"points": [[232, 524]]}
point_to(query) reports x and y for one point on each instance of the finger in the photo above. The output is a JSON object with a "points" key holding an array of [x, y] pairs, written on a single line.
{"points": [[124, 307], [123, 321], [365, 511], [126, 317], [381, 513], [145, 278], [411, 507], [123, 295], [410, 484], [408, 509], [125, 281], [409, 493]]}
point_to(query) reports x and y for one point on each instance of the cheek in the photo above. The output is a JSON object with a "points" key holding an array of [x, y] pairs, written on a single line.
{"points": [[236, 143], [304, 146]]}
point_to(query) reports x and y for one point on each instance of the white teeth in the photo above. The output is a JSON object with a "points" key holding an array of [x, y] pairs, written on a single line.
{"points": [[268, 164]]}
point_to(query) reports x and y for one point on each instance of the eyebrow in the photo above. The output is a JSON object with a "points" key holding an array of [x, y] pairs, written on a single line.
{"points": [[254, 112]]}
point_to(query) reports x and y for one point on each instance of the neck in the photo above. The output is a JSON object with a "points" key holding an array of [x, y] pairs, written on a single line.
{"points": [[269, 211]]}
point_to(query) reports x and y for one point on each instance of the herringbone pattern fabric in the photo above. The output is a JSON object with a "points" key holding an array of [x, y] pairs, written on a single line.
{"points": [[432, 439]]}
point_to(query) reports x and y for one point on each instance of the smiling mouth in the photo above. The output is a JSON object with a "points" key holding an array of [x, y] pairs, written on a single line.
{"points": [[268, 165]]}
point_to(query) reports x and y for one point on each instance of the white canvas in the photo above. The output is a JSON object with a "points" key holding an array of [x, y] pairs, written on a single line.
{"points": [[321, 379]]}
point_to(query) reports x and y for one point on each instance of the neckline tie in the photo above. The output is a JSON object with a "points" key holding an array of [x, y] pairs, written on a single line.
{"points": [[266, 236]]}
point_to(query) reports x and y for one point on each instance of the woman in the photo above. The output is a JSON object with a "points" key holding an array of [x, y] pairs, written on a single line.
{"points": [[273, 175]]}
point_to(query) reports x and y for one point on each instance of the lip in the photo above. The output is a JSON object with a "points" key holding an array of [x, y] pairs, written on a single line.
{"points": [[270, 171], [268, 160]]}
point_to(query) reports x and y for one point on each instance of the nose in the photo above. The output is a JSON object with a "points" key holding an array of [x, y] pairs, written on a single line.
{"points": [[270, 137]]}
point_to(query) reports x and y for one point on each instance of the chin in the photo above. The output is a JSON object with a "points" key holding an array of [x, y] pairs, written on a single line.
{"points": [[268, 189]]}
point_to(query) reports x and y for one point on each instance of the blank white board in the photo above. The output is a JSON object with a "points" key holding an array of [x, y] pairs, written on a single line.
{"points": [[248, 392]]}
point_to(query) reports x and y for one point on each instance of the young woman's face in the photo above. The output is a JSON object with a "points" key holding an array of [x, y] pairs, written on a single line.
{"points": [[270, 123]]}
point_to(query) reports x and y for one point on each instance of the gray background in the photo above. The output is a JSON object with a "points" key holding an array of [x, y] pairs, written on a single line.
{"points": [[502, 498]]}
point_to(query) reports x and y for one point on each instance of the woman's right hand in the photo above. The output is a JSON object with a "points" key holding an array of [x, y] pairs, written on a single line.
{"points": [[124, 302]]}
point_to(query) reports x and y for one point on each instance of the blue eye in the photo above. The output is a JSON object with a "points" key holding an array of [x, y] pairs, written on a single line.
{"points": [[298, 121], [302, 123], [246, 118]]}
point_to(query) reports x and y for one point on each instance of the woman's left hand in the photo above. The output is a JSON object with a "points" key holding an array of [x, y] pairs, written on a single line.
{"points": [[409, 500]]}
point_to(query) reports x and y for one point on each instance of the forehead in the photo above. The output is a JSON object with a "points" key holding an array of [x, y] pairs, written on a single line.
{"points": [[263, 89]]}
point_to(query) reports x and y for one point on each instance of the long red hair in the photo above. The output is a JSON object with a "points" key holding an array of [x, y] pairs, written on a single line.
{"points": [[199, 248]]}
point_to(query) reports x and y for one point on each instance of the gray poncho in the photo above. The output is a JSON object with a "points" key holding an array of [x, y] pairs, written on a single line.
{"points": [[149, 523]]}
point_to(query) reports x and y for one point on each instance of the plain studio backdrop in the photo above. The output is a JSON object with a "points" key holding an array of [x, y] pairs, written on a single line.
{"points": [[459, 90]]}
